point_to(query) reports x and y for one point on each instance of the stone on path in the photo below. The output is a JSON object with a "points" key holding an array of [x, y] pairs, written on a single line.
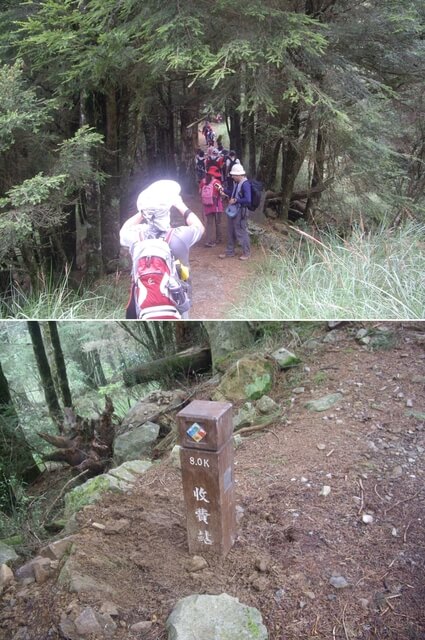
{"points": [[285, 358], [7, 553], [209, 617], [324, 403]]}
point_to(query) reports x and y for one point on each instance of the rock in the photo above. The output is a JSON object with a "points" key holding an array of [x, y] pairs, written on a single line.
{"points": [[248, 379], [333, 336], [364, 603], [118, 480], [333, 324], [266, 405], [418, 379], [68, 630], [361, 333], [298, 390], [262, 565], [56, 550], [145, 410], [325, 491], [245, 417], [339, 582], [284, 358], [117, 527], [279, 595], [226, 339], [6, 577], [76, 582], [197, 563], [175, 457], [396, 472], [237, 440], [29, 569], [227, 618], [138, 627], [409, 403], [367, 518], [260, 584], [41, 573], [324, 403], [321, 446], [137, 443], [110, 608], [91, 622], [7, 554]]}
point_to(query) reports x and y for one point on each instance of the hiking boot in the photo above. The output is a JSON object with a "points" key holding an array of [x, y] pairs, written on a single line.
{"points": [[226, 255], [244, 257]]}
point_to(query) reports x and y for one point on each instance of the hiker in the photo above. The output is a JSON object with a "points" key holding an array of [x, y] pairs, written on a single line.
{"points": [[209, 190], [152, 221], [200, 164], [229, 163], [208, 133], [237, 213]]}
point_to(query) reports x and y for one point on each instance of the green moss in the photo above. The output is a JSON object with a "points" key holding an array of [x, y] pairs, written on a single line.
{"points": [[261, 385]]}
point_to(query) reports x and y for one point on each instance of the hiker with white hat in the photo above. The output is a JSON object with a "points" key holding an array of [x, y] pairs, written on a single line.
{"points": [[237, 213], [152, 222]]}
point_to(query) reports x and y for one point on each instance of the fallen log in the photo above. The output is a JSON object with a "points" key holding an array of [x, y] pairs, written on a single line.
{"points": [[194, 360], [302, 194]]}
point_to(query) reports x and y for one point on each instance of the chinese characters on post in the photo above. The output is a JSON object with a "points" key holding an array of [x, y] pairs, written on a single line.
{"points": [[205, 430]]}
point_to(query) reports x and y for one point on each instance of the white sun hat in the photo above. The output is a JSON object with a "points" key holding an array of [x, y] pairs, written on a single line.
{"points": [[237, 170], [156, 201]]}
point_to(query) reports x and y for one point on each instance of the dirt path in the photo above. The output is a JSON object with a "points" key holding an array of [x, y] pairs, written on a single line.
{"points": [[291, 541], [217, 284]]}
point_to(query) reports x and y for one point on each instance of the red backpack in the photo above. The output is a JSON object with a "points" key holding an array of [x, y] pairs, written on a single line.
{"points": [[152, 281]]}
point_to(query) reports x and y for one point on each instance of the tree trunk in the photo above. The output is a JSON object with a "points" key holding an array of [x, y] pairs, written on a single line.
{"points": [[110, 221], [15, 454], [196, 360], [293, 154], [227, 338], [189, 139], [45, 373], [89, 230], [60, 365], [318, 170], [252, 146], [92, 367], [189, 334]]}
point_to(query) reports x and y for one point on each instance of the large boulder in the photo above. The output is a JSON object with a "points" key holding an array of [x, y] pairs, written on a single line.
{"points": [[285, 359], [248, 379], [148, 408], [136, 443], [208, 617], [7, 554], [120, 480]]}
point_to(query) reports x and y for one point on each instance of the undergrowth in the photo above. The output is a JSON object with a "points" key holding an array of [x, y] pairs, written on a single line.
{"points": [[371, 276]]}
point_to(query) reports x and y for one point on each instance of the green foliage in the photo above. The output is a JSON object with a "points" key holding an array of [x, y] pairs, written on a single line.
{"points": [[374, 276], [20, 108]]}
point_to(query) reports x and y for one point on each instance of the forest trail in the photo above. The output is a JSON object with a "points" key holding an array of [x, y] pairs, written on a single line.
{"points": [[217, 284], [293, 543]]}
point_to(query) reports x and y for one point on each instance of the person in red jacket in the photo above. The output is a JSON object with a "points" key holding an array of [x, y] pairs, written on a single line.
{"points": [[209, 190]]}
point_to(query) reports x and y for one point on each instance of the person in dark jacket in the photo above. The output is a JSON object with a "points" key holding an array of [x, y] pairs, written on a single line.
{"points": [[237, 213]]}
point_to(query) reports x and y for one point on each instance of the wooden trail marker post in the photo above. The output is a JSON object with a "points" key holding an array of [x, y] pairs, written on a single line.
{"points": [[207, 461]]}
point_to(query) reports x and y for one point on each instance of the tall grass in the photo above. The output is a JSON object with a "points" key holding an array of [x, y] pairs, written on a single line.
{"points": [[380, 275], [54, 298]]}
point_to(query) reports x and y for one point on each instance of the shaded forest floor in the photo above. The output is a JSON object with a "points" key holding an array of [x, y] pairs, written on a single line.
{"points": [[291, 540]]}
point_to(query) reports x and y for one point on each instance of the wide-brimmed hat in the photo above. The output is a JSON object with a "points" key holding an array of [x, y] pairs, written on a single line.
{"points": [[237, 170], [214, 171], [156, 201]]}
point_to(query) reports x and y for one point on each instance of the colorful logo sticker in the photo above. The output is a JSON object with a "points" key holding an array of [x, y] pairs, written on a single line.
{"points": [[196, 432]]}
